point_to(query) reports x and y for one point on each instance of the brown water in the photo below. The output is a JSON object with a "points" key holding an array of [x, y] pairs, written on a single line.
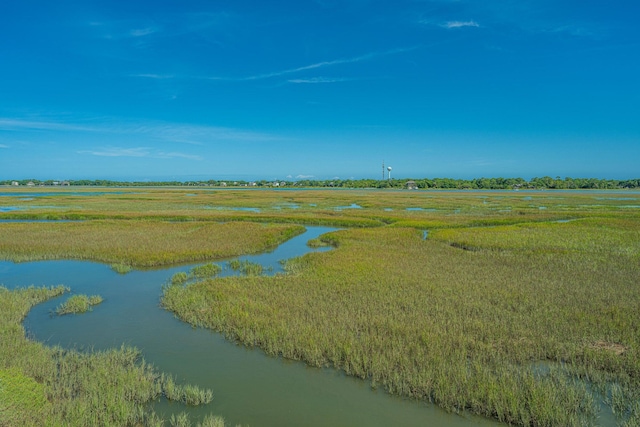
{"points": [[249, 387]]}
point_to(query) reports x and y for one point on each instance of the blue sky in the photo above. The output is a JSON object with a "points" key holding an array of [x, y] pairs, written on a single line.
{"points": [[320, 89]]}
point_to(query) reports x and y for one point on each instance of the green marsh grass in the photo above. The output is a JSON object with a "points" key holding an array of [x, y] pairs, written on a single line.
{"points": [[49, 386], [77, 304], [121, 268], [189, 394], [179, 278], [317, 207], [198, 272], [248, 268], [463, 329], [206, 270], [182, 420], [466, 329], [138, 243]]}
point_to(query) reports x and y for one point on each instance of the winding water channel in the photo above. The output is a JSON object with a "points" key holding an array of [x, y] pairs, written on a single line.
{"points": [[249, 387]]}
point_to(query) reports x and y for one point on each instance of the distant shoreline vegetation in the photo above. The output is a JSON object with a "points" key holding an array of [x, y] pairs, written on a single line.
{"points": [[545, 182]]}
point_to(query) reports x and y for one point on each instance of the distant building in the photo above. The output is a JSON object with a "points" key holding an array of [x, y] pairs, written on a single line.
{"points": [[411, 185], [30, 184], [16, 183]]}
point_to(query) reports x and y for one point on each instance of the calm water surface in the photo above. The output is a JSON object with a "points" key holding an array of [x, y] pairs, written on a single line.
{"points": [[249, 387]]}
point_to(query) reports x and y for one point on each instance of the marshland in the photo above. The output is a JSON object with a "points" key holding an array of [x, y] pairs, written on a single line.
{"points": [[519, 308]]}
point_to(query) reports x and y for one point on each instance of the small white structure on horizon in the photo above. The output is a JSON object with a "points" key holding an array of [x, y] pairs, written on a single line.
{"points": [[389, 169]]}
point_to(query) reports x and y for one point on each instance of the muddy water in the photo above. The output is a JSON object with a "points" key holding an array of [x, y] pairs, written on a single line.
{"points": [[249, 387]]}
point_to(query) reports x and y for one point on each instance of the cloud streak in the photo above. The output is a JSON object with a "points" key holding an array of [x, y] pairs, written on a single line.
{"points": [[316, 80], [154, 76], [324, 64], [459, 24], [138, 152], [158, 131], [314, 66], [142, 32], [36, 125], [119, 152]]}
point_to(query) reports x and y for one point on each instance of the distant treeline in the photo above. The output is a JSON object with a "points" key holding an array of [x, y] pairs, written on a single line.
{"points": [[545, 182]]}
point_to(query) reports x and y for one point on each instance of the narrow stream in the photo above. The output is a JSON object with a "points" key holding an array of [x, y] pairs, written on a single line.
{"points": [[249, 387]]}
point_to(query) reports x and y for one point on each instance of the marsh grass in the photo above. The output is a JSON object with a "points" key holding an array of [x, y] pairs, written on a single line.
{"points": [[182, 420], [138, 243], [317, 207], [121, 268], [206, 270], [188, 394], [613, 236], [462, 329], [246, 267], [466, 329], [179, 278], [78, 304], [316, 243], [22, 399], [198, 272], [49, 386]]}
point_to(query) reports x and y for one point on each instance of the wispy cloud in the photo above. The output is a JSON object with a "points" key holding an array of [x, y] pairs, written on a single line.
{"points": [[323, 64], [4, 146], [305, 176], [314, 66], [154, 76], [19, 124], [11, 124], [459, 24], [573, 30], [196, 134], [163, 155], [119, 152], [142, 32], [314, 80], [155, 131], [138, 152], [123, 29]]}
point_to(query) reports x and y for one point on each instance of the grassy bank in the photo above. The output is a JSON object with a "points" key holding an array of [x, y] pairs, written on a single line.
{"points": [[43, 386], [138, 243], [343, 208], [503, 333]]}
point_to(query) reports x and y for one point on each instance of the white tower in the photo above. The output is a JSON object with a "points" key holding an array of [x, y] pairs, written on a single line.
{"points": [[389, 169]]}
